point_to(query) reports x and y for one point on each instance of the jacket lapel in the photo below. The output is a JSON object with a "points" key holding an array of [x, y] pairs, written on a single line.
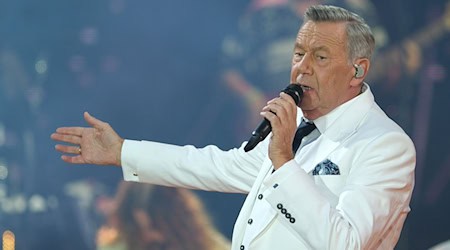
{"points": [[338, 127]]}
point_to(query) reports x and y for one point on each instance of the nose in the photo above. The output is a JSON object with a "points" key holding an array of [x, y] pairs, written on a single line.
{"points": [[304, 65], [300, 68]]}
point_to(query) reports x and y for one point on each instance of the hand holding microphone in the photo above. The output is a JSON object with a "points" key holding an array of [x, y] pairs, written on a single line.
{"points": [[264, 128]]}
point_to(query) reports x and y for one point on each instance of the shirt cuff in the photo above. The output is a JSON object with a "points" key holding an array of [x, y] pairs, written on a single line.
{"points": [[129, 160]]}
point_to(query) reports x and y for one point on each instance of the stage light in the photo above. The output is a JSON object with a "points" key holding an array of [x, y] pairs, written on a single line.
{"points": [[8, 240], [3, 172], [41, 66], [37, 204]]}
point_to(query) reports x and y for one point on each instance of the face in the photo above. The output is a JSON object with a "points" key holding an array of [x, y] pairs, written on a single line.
{"points": [[320, 65]]}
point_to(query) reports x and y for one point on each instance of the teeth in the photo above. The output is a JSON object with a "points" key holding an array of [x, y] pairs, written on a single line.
{"points": [[305, 88]]}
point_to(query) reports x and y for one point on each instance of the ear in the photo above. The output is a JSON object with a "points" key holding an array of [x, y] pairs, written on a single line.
{"points": [[361, 68]]}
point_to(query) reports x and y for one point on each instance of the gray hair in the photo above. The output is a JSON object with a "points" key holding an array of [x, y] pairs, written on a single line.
{"points": [[360, 40]]}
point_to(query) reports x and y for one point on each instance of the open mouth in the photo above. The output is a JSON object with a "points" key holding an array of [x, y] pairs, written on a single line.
{"points": [[305, 88]]}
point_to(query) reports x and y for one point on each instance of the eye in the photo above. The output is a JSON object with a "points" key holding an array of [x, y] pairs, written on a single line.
{"points": [[321, 58], [298, 55]]}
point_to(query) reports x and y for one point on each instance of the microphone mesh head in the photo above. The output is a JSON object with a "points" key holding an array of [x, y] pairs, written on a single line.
{"points": [[295, 91]]}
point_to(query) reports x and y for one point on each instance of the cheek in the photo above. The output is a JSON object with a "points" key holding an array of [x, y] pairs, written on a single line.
{"points": [[332, 90], [325, 88], [294, 74]]}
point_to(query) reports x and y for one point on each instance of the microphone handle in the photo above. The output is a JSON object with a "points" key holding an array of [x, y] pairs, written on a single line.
{"points": [[258, 135], [264, 128]]}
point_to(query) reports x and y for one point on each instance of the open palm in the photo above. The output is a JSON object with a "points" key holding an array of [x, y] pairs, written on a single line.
{"points": [[98, 144]]}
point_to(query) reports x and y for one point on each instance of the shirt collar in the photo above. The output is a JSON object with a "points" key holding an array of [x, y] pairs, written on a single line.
{"points": [[324, 123]]}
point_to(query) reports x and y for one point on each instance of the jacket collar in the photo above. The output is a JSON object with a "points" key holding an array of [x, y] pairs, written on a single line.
{"points": [[344, 120]]}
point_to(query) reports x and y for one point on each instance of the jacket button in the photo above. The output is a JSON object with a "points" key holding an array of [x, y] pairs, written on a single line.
{"points": [[250, 221], [260, 196], [279, 206], [134, 174], [288, 215], [292, 220], [283, 211], [242, 247]]}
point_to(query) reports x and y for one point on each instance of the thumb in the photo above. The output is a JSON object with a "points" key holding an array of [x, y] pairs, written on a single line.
{"points": [[94, 122]]}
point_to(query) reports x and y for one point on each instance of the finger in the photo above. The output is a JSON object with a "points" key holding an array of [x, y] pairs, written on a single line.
{"points": [[273, 118], [287, 98], [73, 159], [280, 106], [272, 100], [94, 122], [78, 131], [266, 108], [67, 149], [290, 103], [276, 109], [74, 139], [283, 100], [287, 103]]}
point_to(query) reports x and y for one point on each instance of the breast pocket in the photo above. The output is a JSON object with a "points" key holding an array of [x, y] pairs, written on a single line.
{"points": [[326, 167], [331, 186]]}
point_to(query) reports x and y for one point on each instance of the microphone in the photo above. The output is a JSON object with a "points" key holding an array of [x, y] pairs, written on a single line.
{"points": [[264, 128]]}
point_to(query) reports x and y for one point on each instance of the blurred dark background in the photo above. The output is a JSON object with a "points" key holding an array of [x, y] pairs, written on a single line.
{"points": [[191, 72]]}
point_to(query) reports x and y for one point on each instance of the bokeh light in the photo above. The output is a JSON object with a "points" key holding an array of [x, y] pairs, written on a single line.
{"points": [[8, 240]]}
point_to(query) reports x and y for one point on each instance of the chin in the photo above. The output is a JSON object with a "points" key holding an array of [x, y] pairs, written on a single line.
{"points": [[304, 105], [310, 116], [308, 113]]}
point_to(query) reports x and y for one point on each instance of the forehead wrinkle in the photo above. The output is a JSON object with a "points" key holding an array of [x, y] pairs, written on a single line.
{"points": [[313, 48], [314, 39]]}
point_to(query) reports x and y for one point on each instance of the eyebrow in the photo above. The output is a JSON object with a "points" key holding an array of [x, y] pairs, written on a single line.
{"points": [[314, 49]]}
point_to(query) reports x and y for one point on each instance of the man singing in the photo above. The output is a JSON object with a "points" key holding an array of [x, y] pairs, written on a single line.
{"points": [[335, 172]]}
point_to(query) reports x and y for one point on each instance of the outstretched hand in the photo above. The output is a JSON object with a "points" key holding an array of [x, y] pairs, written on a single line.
{"points": [[98, 144]]}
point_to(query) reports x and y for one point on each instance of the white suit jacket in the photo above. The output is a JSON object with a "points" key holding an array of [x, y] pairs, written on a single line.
{"points": [[348, 189]]}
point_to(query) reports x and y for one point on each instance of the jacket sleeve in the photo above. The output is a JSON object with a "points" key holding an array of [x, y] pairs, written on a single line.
{"points": [[371, 207], [208, 168]]}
